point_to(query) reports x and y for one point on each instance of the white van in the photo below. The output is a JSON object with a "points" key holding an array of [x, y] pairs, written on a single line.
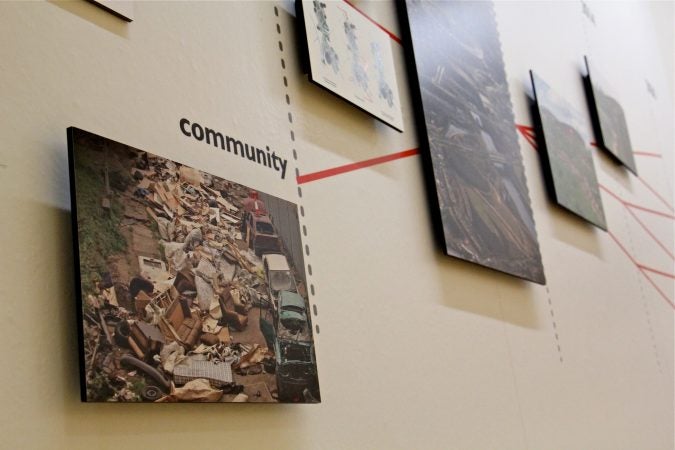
{"points": [[278, 275]]}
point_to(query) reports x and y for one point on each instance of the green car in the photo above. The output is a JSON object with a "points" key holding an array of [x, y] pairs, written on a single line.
{"points": [[292, 316]]}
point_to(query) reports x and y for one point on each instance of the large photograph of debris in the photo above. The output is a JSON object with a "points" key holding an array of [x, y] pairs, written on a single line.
{"points": [[351, 57], [468, 125], [609, 120], [567, 159], [188, 291]]}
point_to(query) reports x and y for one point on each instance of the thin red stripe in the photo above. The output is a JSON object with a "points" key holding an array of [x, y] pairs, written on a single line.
{"points": [[301, 179], [653, 191], [653, 155], [391, 35], [653, 211], [641, 269], [656, 271], [663, 295], [635, 206], [648, 231]]}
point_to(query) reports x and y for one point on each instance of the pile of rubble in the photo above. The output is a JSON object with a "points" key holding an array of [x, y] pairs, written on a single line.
{"points": [[181, 327]]}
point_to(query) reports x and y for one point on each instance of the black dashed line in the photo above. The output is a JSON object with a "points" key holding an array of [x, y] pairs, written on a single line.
{"points": [[555, 325], [295, 157], [316, 313]]}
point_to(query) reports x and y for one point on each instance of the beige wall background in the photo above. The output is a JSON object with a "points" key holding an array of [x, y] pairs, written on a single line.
{"points": [[415, 350]]}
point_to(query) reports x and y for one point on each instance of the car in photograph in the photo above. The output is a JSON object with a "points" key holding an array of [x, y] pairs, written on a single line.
{"points": [[260, 233], [291, 317], [296, 374], [278, 276]]}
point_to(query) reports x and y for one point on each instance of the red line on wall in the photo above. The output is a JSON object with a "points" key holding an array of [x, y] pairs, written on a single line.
{"points": [[648, 231], [649, 210], [653, 191], [391, 35], [628, 204], [642, 270], [653, 155], [656, 271], [529, 135], [301, 179], [656, 286]]}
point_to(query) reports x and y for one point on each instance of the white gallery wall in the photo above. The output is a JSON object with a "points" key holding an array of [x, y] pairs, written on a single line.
{"points": [[415, 349]]}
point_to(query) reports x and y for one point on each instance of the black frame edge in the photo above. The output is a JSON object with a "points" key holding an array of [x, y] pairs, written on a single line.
{"points": [[76, 261]]}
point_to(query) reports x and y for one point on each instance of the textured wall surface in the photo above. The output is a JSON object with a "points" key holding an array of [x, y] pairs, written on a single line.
{"points": [[415, 350]]}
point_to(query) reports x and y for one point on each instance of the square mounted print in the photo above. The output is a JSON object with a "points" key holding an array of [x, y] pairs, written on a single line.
{"points": [[351, 57], [466, 121], [566, 157], [189, 287], [608, 118]]}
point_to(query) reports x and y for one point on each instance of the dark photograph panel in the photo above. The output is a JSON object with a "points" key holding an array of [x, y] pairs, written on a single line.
{"points": [[191, 287], [568, 162], [469, 125], [609, 120]]}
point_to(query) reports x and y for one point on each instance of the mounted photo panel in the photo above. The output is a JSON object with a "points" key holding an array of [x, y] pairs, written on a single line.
{"points": [[187, 290], [566, 158], [351, 57], [467, 126], [609, 120]]}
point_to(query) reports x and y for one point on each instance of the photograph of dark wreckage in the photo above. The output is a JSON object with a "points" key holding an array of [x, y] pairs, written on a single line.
{"points": [[187, 292]]}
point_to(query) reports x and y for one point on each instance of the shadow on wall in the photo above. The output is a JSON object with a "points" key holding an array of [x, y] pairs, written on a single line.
{"points": [[574, 231], [95, 15], [483, 289]]}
